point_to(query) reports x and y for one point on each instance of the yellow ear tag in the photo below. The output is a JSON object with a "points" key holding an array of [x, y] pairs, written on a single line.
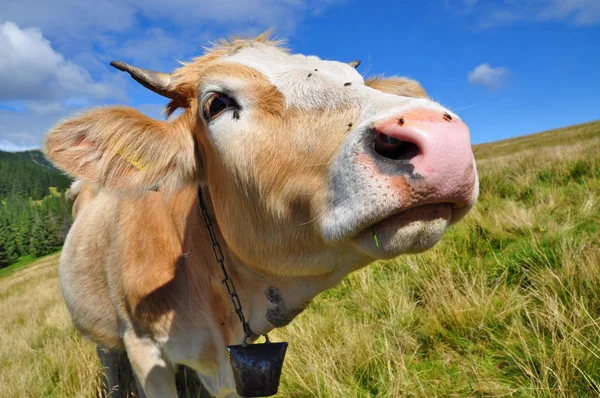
{"points": [[136, 163]]}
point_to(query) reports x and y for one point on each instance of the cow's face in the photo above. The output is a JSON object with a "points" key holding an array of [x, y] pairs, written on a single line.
{"points": [[306, 163], [309, 168]]}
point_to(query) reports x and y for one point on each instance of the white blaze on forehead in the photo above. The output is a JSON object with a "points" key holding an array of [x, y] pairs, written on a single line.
{"points": [[306, 82]]}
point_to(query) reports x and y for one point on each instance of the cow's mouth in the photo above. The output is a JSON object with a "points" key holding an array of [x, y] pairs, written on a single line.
{"points": [[415, 213], [410, 230]]}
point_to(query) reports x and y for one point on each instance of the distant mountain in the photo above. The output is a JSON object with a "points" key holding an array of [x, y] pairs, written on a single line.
{"points": [[36, 157], [28, 174]]}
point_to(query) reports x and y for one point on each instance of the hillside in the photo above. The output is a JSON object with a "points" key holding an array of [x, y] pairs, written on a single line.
{"points": [[577, 134], [34, 156], [507, 304], [29, 174], [34, 215]]}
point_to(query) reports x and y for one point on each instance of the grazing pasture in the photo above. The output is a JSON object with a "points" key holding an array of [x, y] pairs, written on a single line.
{"points": [[507, 304]]}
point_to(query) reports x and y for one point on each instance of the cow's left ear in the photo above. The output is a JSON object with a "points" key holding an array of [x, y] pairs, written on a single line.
{"points": [[397, 86], [122, 148]]}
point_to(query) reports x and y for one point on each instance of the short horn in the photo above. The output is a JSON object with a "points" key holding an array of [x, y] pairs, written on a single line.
{"points": [[160, 83], [354, 63]]}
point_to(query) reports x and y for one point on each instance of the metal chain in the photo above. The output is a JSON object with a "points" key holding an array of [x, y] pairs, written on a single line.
{"points": [[227, 281]]}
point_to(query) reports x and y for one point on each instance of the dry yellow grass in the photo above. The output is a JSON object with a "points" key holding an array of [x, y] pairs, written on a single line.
{"points": [[508, 304], [41, 355]]}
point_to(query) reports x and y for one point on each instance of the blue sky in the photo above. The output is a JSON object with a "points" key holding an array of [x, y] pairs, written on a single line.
{"points": [[508, 67]]}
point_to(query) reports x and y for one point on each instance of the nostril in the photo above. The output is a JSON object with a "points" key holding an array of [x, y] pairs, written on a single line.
{"points": [[394, 141], [405, 150], [393, 148]]}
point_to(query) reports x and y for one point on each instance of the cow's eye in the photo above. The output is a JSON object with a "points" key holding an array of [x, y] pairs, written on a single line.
{"points": [[216, 104]]}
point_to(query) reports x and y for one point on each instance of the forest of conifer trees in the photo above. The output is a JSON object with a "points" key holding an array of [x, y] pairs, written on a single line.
{"points": [[34, 214]]}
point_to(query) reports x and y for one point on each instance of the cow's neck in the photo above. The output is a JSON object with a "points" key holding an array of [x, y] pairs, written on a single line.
{"points": [[272, 302], [268, 301]]}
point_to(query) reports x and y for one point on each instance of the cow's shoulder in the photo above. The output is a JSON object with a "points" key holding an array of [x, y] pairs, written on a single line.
{"points": [[148, 267]]}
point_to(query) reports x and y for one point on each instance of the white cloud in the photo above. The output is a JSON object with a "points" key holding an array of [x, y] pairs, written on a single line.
{"points": [[96, 34], [486, 76], [30, 69], [489, 13], [38, 85], [579, 12], [74, 23], [70, 20], [90, 37]]}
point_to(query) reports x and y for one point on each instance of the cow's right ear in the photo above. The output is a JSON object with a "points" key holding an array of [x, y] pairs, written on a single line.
{"points": [[398, 86], [122, 148]]}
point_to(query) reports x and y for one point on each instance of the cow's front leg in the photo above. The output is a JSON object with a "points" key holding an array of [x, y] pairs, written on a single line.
{"points": [[117, 371], [153, 372]]}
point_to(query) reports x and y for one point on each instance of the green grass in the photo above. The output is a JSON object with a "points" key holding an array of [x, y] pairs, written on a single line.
{"points": [[23, 261]]}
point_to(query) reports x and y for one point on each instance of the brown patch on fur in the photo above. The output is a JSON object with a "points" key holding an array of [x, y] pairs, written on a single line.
{"points": [[162, 291], [187, 76], [397, 86], [265, 97], [400, 184], [151, 261]]}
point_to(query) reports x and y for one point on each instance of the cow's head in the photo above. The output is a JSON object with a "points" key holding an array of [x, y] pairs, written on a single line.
{"points": [[309, 166]]}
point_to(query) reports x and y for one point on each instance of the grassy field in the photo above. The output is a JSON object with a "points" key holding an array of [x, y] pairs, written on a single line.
{"points": [[508, 304], [41, 355]]}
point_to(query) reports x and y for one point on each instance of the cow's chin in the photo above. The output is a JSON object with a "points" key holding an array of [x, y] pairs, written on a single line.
{"points": [[411, 231]]}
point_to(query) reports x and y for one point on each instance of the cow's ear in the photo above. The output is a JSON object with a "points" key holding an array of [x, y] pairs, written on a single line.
{"points": [[397, 86], [120, 147]]}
